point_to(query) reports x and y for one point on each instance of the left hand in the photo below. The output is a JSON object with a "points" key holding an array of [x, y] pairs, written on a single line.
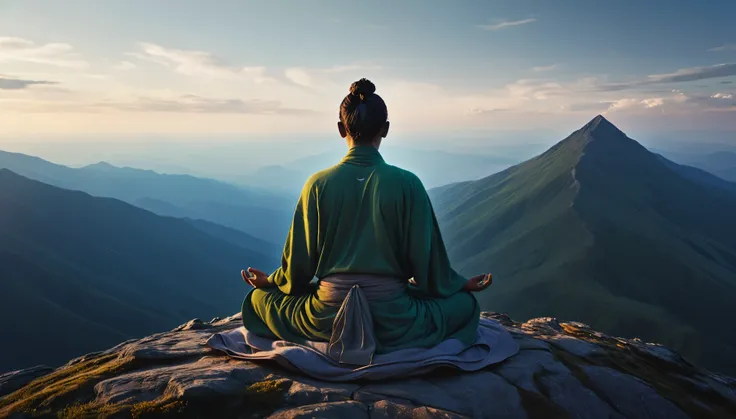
{"points": [[479, 283], [257, 278]]}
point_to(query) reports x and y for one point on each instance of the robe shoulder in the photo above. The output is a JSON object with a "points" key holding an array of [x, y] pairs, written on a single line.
{"points": [[410, 183], [400, 177], [321, 177]]}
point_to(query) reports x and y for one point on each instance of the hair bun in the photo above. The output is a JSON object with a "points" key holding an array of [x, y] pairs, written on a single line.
{"points": [[362, 88]]}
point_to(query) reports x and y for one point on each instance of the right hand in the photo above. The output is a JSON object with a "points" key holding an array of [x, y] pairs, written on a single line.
{"points": [[479, 283], [257, 278]]}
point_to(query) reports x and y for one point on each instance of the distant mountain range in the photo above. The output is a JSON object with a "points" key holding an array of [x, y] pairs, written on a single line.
{"points": [[600, 230], [720, 163], [434, 167], [80, 273], [597, 229], [260, 214]]}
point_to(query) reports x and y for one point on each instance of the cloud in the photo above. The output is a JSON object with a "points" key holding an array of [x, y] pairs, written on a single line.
{"points": [[55, 54], [679, 76], [590, 107], [637, 103], [697, 73], [299, 76], [533, 89], [323, 77], [544, 68], [714, 102], [506, 24], [124, 66], [678, 102], [18, 84], [481, 111], [204, 64], [725, 47], [652, 102], [551, 97], [195, 63], [350, 67], [198, 104], [624, 103]]}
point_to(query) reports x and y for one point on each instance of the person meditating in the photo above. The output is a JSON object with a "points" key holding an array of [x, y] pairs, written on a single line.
{"points": [[367, 231]]}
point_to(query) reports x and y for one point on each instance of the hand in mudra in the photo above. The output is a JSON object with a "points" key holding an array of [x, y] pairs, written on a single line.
{"points": [[255, 277], [479, 283]]}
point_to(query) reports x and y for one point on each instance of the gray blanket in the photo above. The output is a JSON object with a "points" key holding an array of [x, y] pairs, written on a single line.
{"points": [[493, 345]]}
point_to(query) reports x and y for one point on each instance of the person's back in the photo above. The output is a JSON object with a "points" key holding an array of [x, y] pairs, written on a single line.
{"points": [[364, 228], [364, 205]]}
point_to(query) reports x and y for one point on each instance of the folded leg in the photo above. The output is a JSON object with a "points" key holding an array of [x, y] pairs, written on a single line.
{"points": [[294, 318], [410, 321]]}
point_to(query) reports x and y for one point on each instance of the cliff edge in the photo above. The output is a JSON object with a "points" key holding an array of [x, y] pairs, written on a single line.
{"points": [[563, 370]]}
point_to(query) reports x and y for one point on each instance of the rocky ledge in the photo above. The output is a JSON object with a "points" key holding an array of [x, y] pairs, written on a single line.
{"points": [[564, 370]]}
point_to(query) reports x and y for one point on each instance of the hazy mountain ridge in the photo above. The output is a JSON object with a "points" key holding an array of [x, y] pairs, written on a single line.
{"points": [[720, 163], [434, 167], [261, 214], [599, 230], [86, 272], [699, 175]]}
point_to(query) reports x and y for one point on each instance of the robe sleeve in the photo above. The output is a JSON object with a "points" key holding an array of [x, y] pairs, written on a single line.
{"points": [[301, 255], [425, 248]]}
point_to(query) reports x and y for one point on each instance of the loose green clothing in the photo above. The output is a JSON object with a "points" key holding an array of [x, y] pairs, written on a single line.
{"points": [[364, 216]]}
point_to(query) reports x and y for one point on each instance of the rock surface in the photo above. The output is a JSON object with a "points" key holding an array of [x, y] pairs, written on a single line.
{"points": [[563, 370], [9, 382]]}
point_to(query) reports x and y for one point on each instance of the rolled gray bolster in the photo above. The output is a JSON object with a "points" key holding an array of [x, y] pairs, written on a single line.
{"points": [[353, 341]]}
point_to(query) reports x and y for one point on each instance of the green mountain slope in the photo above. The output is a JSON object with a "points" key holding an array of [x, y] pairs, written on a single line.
{"points": [[261, 214], [80, 273], [599, 230]]}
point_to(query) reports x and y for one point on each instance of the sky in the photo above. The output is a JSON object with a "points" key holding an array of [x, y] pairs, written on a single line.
{"points": [[279, 68]]}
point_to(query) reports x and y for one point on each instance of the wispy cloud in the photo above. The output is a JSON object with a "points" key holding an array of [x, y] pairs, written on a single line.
{"points": [[299, 76], [506, 24], [652, 102], [195, 63], [679, 76], [55, 54], [482, 111], [725, 47], [590, 107], [124, 66], [174, 104], [20, 84], [351, 67], [314, 77], [677, 102], [544, 68], [199, 104], [696, 73], [539, 96]]}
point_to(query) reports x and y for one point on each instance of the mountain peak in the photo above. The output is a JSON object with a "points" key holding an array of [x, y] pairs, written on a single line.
{"points": [[600, 125], [598, 120]]}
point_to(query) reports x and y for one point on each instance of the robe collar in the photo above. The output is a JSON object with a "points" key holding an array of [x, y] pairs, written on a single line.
{"points": [[363, 156]]}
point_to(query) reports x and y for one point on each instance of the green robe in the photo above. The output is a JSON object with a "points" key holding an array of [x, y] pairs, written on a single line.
{"points": [[365, 216]]}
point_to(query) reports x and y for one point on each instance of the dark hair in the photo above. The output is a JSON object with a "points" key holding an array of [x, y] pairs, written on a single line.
{"points": [[363, 112]]}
